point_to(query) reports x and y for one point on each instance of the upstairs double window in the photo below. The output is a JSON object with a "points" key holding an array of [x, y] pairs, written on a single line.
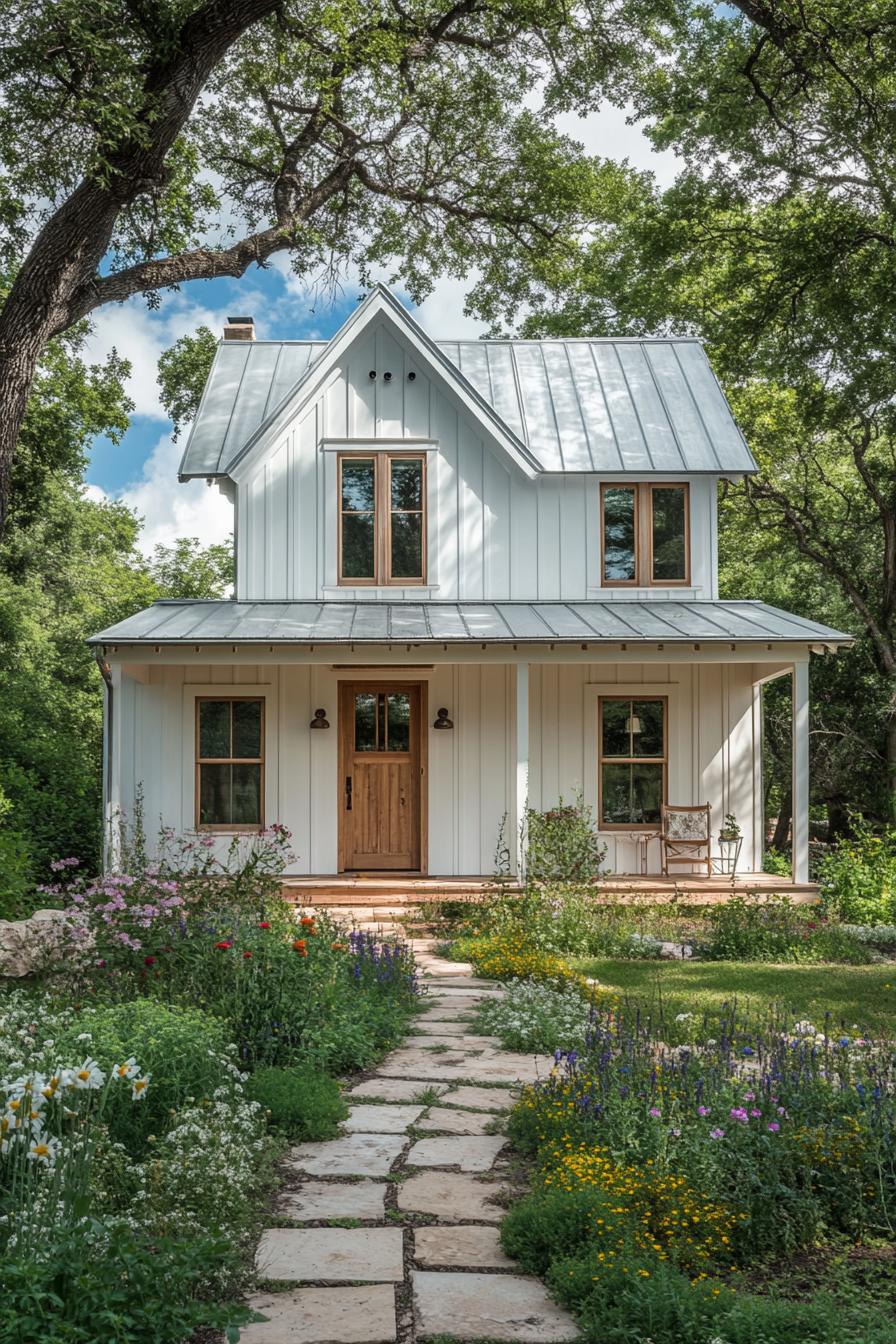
{"points": [[382, 518], [645, 539]]}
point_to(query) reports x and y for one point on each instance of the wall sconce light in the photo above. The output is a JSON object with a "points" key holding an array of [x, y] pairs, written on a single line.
{"points": [[442, 720], [320, 719]]}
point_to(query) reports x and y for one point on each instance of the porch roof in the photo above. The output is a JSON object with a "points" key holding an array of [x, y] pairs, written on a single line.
{"points": [[378, 622]]}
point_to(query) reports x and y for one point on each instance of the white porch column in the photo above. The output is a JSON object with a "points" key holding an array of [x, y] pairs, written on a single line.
{"points": [[521, 785], [799, 825]]}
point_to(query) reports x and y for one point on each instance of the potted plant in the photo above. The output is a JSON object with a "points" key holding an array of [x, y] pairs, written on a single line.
{"points": [[730, 840]]}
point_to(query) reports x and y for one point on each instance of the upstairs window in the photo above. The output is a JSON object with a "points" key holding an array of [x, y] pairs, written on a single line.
{"points": [[645, 538], [382, 518]]}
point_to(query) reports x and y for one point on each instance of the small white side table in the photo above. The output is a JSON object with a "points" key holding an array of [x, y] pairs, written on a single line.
{"points": [[729, 856]]}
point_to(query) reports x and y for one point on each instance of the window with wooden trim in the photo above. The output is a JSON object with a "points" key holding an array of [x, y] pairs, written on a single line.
{"points": [[645, 534], [382, 518], [229, 763], [633, 761]]}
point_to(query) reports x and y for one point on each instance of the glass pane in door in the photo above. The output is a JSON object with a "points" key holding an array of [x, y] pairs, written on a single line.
{"points": [[399, 722], [365, 722]]}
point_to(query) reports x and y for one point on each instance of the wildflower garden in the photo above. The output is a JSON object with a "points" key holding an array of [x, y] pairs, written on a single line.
{"points": [[708, 1166], [150, 1076]]}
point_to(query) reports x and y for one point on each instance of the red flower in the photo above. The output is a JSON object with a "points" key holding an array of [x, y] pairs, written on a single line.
{"points": [[224, 947], [247, 955], [264, 924], [149, 961], [300, 947], [307, 922]]}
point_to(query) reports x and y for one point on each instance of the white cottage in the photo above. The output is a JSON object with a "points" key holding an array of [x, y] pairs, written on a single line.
{"points": [[468, 574]]}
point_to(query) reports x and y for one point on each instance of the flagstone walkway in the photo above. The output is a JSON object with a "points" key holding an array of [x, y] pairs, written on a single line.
{"points": [[389, 1234]]}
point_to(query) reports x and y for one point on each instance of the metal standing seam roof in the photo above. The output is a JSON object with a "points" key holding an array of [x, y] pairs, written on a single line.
{"points": [[650, 407], [227, 621]]}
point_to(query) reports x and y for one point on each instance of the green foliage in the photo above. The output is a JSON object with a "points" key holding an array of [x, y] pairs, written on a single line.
{"points": [[15, 868], [759, 929], [299, 1103], [777, 863], [858, 879], [560, 844], [183, 370], [68, 567], [107, 1282], [187, 569], [183, 1050]]}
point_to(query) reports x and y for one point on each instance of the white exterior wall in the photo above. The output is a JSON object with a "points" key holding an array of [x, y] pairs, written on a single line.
{"points": [[492, 533], [713, 726]]}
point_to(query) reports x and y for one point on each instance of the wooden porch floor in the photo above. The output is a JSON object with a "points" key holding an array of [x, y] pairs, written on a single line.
{"points": [[352, 889]]}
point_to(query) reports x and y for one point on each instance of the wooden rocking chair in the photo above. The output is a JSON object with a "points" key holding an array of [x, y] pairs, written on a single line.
{"points": [[686, 831]]}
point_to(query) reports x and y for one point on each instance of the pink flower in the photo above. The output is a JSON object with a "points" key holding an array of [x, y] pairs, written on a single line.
{"points": [[655, 1112], [717, 1133], [739, 1114], [703, 1110], [749, 1096], [755, 1114], [773, 1127]]}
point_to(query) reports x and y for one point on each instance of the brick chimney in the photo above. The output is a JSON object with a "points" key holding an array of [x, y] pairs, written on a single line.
{"points": [[240, 329]]}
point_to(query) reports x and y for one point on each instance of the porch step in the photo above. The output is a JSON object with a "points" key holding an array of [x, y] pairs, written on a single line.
{"points": [[387, 897]]}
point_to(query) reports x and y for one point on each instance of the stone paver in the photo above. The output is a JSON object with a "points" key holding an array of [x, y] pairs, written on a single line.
{"points": [[333, 1199], [470, 1153], [464, 1247], [477, 1066], [355, 1155], [452, 1012], [445, 1194], [338, 1315], [441, 1027], [489, 1306], [381, 1119], [480, 1098], [469, 1041], [393, 1089], [442, 1120], [338, 1254]]}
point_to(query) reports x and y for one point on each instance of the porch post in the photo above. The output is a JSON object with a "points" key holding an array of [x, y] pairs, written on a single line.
{"points": [[799, 825], [521, 791]]}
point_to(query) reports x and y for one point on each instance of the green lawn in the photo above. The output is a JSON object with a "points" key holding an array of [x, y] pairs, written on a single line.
{"points": [[855, 995]]}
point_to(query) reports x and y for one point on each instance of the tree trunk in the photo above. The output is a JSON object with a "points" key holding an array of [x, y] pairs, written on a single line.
{"points": [[782, 824]]}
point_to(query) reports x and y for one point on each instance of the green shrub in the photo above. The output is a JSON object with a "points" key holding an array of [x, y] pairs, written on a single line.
{"points": [[758, 929], [298, 1103], [561, 844], [776, 863], [184, 1051], [104, 1282], [858, 880], [17, 896]]}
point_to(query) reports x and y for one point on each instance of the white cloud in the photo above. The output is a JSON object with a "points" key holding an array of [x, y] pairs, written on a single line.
{"points": [[172, 509], [140, 335], [609, 134]]}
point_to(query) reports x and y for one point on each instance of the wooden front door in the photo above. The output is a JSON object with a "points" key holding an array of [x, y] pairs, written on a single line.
{"points": [[381, 776]]}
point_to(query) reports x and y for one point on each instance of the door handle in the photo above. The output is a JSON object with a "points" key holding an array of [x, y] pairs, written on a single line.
{"points": [[348, 793]]}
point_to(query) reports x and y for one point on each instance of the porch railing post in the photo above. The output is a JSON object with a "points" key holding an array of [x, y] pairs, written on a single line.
{"points": [[521, 793], [799, 826]]}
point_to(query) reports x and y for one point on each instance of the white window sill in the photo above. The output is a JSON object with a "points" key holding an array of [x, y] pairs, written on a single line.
{"points": [[391, 594], [614, 594]]}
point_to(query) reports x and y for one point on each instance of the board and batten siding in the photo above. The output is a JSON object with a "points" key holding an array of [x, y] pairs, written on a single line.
{"points": [[714, 751], [492, 533]]}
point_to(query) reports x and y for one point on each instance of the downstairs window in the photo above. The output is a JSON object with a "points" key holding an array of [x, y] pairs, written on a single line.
{"points": [[229, 763], [632, 762]]}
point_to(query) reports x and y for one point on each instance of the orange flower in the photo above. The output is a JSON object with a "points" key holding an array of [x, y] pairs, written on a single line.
{"points": [[338, 947], [307, 923], [300, 946]]}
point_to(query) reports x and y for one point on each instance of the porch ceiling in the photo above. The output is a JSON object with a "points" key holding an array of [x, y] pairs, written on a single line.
{"points": [[376, 622]]}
